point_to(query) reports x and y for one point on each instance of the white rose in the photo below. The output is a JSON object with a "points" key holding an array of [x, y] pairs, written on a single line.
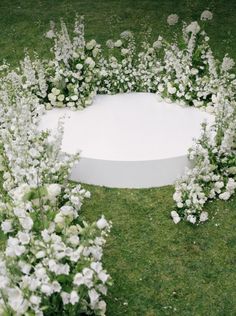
{"points": [[55, 91], [79, 66], [61, 97], [74, 97]]}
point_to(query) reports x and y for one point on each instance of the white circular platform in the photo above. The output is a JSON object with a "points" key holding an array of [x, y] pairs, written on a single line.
{"points": [[129, 140]]}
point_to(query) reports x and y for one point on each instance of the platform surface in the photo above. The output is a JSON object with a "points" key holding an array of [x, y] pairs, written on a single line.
{"points": [[127, 139]]}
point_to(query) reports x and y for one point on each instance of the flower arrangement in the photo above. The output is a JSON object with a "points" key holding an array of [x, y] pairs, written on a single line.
{"points": [[184, 71], [51, 259], [214, 172]]}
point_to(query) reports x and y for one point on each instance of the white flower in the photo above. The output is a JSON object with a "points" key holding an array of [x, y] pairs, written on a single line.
{"points": [[191, 218], [91, 44], [126, 35], [87, 194], [23, 237], [35, 300], [50, 34], [118, 43], [102, 223], [61, 97], [79, 66], [160, 87], [74, 97], [78, 279], [55, 91], [227, 64], [206, 15], [203, 216], [74, 297], [172, 19], [47, 289], [157, 44], [110, 44], [53, 190], [171, 89], [89, 61], [59, 220], [94, 297], [17, 301], [103, 276], [7, 226], [224, 196], [102, 306], [3, 282], [175, 216], [26, 223], [193, 28], [67, 210], [65, 298]]}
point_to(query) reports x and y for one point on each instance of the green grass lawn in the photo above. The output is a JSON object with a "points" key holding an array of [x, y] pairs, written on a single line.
{"points": [[158, 268]]}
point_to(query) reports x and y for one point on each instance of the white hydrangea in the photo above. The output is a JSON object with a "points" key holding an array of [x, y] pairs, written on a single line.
{"points": [[206, 15], [172, 19]]}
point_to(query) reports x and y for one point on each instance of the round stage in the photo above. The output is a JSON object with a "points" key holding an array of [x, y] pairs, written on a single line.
{"points": [[129, 140]]}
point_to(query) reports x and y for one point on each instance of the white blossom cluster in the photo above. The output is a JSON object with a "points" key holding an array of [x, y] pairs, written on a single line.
{"points": [[183, 71], [73, 73], [214, 172], [51, 261]]}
